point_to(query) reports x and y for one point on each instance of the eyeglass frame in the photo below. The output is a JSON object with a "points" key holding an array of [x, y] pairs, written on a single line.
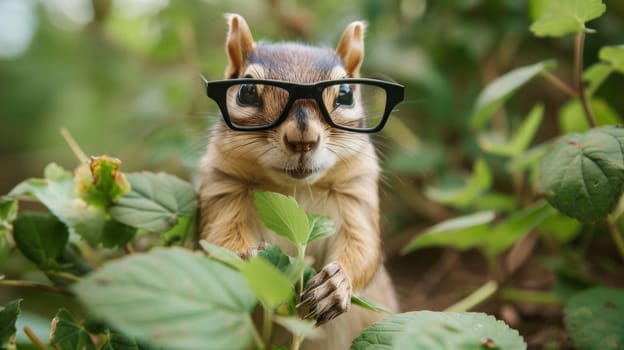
{"points": [[217, 90]]}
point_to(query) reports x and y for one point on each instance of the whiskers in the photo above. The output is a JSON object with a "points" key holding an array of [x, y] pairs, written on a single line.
{"points": [[345, 144]]}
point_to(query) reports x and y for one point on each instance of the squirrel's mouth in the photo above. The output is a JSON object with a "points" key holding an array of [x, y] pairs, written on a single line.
{"points": [[299, 173]]}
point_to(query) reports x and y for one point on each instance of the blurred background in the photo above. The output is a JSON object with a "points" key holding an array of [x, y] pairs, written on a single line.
{"points": [[123, 78]]}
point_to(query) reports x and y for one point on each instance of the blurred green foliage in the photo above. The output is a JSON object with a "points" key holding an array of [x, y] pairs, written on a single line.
{"points": [[122, 76]]}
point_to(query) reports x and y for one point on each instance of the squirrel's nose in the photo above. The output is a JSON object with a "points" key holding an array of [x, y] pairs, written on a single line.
{"points": [[299, 145]]}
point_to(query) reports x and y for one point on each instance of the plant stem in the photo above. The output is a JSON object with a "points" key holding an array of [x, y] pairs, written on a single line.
{"points": [[578, 74], [73, 145], [298, 338], [475, 298], [301, 255], [66, 275], [267, 325], [34, 339], [528, 296], [616, 236], [257, 338], [28, 284], [296, 343], [565, 88]]}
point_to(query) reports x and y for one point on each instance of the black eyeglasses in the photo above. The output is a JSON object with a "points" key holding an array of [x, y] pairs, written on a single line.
{"points": [[360, 105]]}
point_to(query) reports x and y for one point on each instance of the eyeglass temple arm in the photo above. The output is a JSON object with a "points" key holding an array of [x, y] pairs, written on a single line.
{"points": [[204, 79]]}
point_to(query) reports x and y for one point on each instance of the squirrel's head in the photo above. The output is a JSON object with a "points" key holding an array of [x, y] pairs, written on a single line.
{"points": [[303, 148]]}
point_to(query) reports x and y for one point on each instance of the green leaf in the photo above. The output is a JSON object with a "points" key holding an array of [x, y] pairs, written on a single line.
{"points": [[516, 226], [41, 238], [116, 234], [274, 255], [100, 182], [8, 211], [116, 341], [595, 75], [614, 55], [537, 8], [497, 92], [269, 285], [8, 317], [66, 333], [582, 176], [5, 245], [184, 230], [476, 230], [155, 202], [320, 227], [172, 298], [572, 115], [530, 158], [475, 186], [221, 254], [498, 201], [595, 319], [522, 136], [564, 17], [562, 228], [283, 215], [439, 330], [462, 233]]}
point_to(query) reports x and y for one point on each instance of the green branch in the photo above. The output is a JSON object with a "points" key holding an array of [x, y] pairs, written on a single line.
{"points": [[29, 284], [578, 74]]}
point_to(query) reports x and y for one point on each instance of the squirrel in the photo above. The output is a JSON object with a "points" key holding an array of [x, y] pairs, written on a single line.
{"points": [[328, 171]]}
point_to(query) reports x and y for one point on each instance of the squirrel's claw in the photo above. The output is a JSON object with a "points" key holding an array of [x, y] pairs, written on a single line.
{"points": [[327, 295]]}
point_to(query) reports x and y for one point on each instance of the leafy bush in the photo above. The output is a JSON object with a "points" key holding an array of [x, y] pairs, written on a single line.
{"points": [[580, 173], [172, 297]]}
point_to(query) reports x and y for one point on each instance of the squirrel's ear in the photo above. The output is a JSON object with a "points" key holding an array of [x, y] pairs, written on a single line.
{"points": [[351, 48], [238, 44]]}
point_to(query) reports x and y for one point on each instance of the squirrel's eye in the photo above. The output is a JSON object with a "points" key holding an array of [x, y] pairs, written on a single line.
{"points": [[248, 95], [345, 96]]}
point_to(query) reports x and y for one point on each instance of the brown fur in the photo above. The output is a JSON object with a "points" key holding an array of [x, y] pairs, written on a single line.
{"points": [[344, 185]]}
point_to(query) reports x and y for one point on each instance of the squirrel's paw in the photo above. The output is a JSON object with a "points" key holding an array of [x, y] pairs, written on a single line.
{"points": [[327, 295]]}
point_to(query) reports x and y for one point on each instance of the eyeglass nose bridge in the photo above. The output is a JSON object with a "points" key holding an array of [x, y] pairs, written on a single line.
{"points": [[305, 93], [300, 92]]}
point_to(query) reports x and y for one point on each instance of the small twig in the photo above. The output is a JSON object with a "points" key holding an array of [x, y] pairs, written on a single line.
{"points": [[28, 284], [475, 298], [616, 236], [34, 339], [565, 88], [73, 145], [578, 75]]}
